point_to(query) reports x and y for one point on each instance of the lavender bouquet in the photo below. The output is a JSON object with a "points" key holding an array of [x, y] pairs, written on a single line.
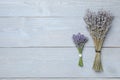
{"points": [[80, 41], [98, 25]]}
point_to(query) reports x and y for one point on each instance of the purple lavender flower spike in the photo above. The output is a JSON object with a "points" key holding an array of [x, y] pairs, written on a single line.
{"points": [[80, 40]]}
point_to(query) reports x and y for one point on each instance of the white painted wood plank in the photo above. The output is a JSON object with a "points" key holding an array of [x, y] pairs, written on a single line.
{"points": [[24, 32], [56, 62], [11, 1], [59, 78], [55, 7]]}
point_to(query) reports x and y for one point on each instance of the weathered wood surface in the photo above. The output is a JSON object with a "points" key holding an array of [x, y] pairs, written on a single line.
{"points": [[35, 39], [55, 7], [56, 62], [24, 32]]}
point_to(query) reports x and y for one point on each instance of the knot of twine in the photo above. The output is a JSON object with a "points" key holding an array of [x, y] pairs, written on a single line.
{"points": [[97, 51]]}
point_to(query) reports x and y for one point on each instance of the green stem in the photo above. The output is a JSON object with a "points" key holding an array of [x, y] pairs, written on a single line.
{"points": [[80, 62], [80, 59]]}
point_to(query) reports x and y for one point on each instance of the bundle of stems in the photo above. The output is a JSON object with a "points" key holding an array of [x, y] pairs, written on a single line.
{"points": [[80, 40], [98, 25]]}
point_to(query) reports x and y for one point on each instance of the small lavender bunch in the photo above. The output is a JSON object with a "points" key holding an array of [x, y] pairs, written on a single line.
{"points": [[80, 41], [98, 25]]}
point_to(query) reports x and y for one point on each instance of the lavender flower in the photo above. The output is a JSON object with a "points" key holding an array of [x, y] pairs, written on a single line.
{"points": [[98, 25], [80, 41]]}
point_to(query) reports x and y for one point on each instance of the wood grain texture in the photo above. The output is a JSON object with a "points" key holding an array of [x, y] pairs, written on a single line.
{"points": [[55, 7], [36, 43], [56, 62], [59, 78], [26, 32]]}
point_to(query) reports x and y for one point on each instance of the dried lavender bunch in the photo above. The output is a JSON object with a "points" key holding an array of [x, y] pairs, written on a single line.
{"points": [[80, 41], [98, 25]]}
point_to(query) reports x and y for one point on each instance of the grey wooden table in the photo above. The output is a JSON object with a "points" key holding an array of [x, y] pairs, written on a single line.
{"points": [[36, 43]]}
